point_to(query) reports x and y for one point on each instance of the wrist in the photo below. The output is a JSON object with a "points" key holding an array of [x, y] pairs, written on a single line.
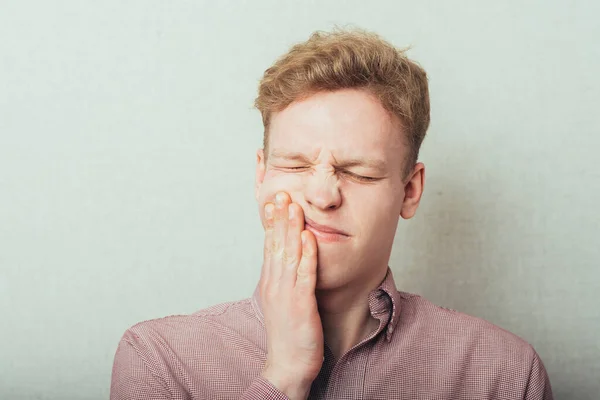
{"points": [[293, 387]]}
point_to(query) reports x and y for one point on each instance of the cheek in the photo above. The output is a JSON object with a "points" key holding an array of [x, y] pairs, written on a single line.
{"points": [[373, 218], [275, 182]]}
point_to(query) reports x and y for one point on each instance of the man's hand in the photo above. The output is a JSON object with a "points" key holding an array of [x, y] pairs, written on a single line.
{"points": [[287, 292]]}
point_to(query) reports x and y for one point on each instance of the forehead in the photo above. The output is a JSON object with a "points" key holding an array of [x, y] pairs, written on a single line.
{"points": [[347, 122]]}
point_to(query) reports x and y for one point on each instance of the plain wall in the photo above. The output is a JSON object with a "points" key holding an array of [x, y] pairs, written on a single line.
{"points": [[127, 151]]}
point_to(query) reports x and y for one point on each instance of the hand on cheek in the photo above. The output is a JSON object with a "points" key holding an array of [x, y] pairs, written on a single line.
{"points": [[287, 292], [270, 198]]}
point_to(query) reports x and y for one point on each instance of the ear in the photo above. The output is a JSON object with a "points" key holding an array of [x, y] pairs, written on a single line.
{"points": [[260, 172], [413, 189]]}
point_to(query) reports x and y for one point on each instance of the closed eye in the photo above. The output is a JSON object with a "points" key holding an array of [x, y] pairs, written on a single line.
{"points": [[361, 178]]}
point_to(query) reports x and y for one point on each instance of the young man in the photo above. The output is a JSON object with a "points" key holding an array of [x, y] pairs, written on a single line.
{"points": [[344, 115]]}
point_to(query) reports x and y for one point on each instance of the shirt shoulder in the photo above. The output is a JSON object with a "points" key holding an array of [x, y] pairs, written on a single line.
{"points": [[439, 349], [219, 349], [464, 341], [232, 320], [444, 323]]}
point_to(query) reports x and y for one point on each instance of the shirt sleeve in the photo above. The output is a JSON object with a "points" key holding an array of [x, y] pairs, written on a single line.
{"points": [[133, 378], [262, 389], [538, 387]]}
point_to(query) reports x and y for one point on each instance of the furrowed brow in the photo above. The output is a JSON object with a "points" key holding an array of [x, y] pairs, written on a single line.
{"points": [[292, 156], [355, 162], [363, 162]]}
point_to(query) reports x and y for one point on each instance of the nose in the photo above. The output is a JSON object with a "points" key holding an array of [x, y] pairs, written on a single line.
{"points": [[322, 191]]}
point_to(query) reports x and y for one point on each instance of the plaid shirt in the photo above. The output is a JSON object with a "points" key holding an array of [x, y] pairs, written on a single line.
{"points": [[419, 351]]}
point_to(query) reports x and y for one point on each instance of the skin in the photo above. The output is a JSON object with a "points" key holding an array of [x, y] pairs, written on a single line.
{"points": [[316, 293]]}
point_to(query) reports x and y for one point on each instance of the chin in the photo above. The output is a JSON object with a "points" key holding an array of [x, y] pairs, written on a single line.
{"points": [[332, 275], [323, 283]]}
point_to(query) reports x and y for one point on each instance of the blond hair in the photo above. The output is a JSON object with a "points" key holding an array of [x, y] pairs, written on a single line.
{"points": [[345, 59]]}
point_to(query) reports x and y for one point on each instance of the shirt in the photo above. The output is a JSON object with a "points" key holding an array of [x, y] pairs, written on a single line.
{"points": [[419, 351]]}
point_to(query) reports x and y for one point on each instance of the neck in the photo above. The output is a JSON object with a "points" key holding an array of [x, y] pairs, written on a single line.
{"points": [[346, 316]]}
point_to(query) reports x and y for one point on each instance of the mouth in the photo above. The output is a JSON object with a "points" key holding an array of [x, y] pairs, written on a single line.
{"points": [[325, 233]]}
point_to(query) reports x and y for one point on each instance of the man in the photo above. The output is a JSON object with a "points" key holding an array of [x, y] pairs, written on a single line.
{"points": [[344, 115]]}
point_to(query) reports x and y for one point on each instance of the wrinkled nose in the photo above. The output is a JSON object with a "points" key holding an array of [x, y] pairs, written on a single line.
{"points": [[322, 191]]}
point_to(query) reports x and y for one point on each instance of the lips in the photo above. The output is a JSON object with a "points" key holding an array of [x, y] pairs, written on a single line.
{"points": [[324, 228]]}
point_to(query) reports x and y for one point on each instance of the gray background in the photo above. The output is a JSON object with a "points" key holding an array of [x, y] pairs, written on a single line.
{"points": [[127, 150]]}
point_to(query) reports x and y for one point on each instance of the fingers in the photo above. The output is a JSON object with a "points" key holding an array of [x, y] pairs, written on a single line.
{"points": [[306, 280], [293, 246], [269, 227], [289, 261], [279, 236]]}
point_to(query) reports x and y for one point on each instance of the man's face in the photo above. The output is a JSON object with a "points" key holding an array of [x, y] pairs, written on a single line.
{"points": [[339, 155]]}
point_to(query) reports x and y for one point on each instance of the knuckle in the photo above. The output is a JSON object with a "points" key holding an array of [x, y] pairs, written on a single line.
{"points": [[289, 259], [308, 252], [278, 252], [302, 272], [267, 249], [275, 246]]}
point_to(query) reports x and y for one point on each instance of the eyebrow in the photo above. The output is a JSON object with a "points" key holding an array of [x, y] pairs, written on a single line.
{"points": [[354, 162]]}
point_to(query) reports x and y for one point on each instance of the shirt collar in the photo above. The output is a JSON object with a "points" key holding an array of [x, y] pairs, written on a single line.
{"points": [[384, 304]]}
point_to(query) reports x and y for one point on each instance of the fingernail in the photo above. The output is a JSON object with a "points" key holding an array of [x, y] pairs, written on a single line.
{"points": [[279, 199], [269, 211], [291, 212]]}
